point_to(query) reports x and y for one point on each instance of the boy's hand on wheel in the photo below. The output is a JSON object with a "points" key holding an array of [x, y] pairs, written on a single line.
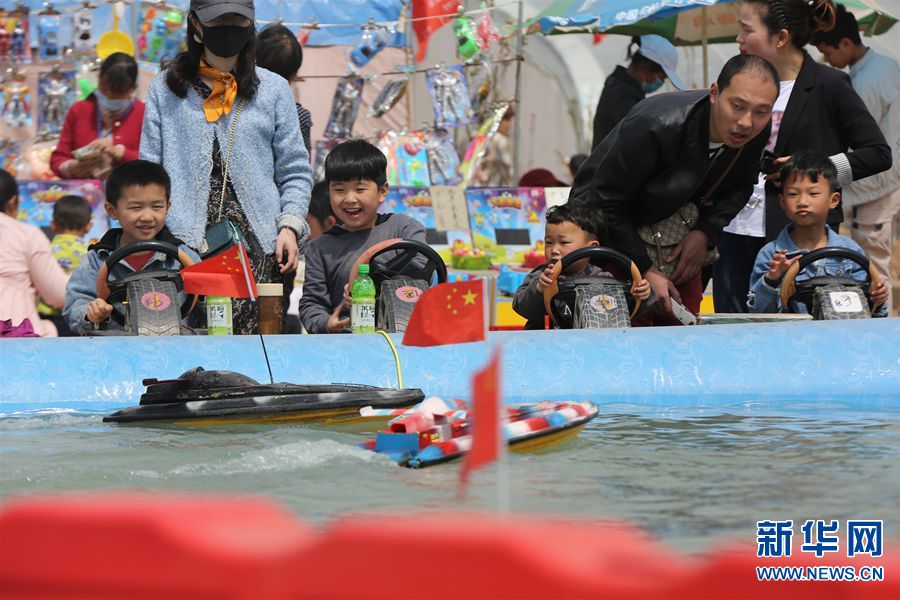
{"points": [[98, 311]]}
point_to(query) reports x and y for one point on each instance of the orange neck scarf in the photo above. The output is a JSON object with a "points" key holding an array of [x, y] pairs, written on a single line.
{"points": [[224, 91]]}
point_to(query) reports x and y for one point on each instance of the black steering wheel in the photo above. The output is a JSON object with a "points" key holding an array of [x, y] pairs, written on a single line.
{"points": [[804, 290], [116, 292], [561, 294], [403, 263]]}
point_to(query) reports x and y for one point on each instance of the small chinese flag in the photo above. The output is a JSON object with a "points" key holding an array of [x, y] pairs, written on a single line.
{"points": [[225, 274], [485, 419], [448, 313], [427, 20]]}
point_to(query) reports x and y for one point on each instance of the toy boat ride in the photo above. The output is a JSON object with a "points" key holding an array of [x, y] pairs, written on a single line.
{"points": [[438, 431], [200, 397]]}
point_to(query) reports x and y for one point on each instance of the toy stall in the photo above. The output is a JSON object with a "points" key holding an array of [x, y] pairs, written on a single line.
{"points": [[50, 55]]}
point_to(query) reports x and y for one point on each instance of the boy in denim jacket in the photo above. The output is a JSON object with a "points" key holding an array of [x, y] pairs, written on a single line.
{"points": [[137, 196], [809, 191]]}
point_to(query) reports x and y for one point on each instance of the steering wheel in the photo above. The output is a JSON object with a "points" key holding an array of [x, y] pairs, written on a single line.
{"points": [[803, 291], [596, 256], [115, 292], [402, 263]]}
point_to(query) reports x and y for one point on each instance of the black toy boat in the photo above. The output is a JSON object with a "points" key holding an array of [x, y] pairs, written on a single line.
{"points": [[201, 397]]}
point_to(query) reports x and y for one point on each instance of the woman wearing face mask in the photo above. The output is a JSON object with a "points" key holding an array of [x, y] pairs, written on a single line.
{"points": [[107, 124], [227, 133], [817, 109], [653, 59]]}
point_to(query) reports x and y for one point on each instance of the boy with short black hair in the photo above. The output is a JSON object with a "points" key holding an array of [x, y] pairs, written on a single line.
{"points": [[320, 216], [72, 218], [356, 172], [809, 190], [570, 227], [137, 196]]}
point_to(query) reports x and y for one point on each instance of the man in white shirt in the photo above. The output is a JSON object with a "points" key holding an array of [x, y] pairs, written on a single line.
{"points": [[870, 203]]}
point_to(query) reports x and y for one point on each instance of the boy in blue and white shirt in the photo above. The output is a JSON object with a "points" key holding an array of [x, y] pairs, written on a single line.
{"points": [[809, 191]]}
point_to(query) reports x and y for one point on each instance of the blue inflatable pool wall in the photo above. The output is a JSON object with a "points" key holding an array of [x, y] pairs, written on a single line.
{"points": [[807, 365]]}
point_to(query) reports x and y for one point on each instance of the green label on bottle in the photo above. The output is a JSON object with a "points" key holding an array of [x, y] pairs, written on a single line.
{"points": [[218, 315]]}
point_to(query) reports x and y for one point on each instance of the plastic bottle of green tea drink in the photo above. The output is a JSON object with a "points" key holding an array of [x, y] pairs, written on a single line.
{"points": [[362, 316], [218, 315]]}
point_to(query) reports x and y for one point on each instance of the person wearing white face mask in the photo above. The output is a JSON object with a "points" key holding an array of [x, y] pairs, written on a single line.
{"points": [[104, 129], [228, 134]]}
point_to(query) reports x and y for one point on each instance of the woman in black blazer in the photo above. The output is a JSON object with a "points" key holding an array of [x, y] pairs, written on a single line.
{"points": [[816, 110]]}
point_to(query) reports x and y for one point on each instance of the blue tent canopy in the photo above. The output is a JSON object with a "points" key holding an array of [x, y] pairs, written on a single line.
{"points": [[340, 21]]}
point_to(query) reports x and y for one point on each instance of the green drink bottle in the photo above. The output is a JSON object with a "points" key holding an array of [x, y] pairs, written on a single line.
{"points": [[362, 316]]}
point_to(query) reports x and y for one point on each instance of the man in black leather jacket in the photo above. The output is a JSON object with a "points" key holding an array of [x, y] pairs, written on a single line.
{"points": [[672, 149]]}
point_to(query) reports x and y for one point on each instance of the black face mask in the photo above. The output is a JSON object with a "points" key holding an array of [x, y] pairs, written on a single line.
{"points": [[227, 40]]}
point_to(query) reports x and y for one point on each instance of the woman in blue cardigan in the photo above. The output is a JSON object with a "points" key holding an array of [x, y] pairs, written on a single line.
{"points": [[817, 109], [227, 133]]}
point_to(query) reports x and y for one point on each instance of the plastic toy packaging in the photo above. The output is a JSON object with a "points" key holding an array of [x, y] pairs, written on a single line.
{"points": [[48, 26], [443, 159], [10, 151], [479, 144], [480, 85], [322, 148], [344, 107], [373, 41], [466, 37], [486, 30], [14, 36], [56, 93], [161, 32], [86, 76], [450, 96], [16, 98], [389, 95], [387, 143], [83, 41], [412, 160]]}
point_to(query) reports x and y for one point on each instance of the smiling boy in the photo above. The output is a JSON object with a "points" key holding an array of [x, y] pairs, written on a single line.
{"points": [[137, 196], [356, 172]]}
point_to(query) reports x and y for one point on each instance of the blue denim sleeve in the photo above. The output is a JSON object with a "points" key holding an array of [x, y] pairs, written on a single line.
{"points": [[763, 298]]}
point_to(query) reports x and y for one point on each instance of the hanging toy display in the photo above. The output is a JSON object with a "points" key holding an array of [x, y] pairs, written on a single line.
{"points": [[480, 86], [49, 22], [389, 95], [56, 93], [17, 26], [322, 148], [486, 30], [10, 150], [443, 159], [450, 96], [387, 143], [16, 98], [5, 35], [86, 76], [83, 29], [479, 144], [412, 160], [344, 107], [464, 31], [161, 32], [373, 41]]}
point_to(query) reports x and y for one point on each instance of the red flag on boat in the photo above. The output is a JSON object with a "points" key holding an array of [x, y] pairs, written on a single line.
{"points": [[427, 20], [485, 421], [448, 313], [225, 274]]}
